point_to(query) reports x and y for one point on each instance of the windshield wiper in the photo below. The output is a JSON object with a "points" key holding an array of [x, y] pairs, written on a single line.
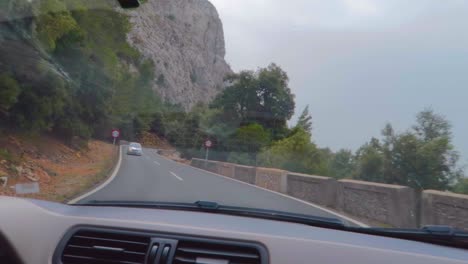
{"points": [[212, 207], [440, 235]]}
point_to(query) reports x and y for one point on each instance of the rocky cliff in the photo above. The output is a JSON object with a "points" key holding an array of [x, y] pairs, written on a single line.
{"points": [[185, 40]]}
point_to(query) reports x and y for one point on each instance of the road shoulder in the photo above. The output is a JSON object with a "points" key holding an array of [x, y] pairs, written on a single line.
{"points": [[111, 174]]}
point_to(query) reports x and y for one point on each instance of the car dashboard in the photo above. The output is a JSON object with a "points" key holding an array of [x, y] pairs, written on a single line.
{"points": [[34, 231]]}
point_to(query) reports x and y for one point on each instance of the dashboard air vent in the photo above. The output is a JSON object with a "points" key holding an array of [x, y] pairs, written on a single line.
{"points": [[102, 247], [216, 253]]}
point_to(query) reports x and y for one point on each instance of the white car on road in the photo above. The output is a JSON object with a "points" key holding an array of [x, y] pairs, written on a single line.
{"points": [[134, 149]]}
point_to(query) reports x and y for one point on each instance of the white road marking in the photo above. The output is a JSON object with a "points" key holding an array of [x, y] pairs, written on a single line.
{"points": [[111, 178], [175, 175], [157, 162]]}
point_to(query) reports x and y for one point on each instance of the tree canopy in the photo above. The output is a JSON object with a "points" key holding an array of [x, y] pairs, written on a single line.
{"points": [[423, 157], [295, 153], [261, 97]]}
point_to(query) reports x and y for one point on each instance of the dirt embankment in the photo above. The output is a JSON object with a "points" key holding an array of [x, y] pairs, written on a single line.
{"points": [[151, 140], [61, 171]]}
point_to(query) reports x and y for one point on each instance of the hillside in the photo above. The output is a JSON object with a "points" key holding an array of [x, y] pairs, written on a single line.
{"points": [[60, 170], [72, 70], [81, 67]]}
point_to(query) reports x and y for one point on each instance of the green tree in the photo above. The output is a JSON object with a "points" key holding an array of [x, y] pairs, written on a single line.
{"points": [[54, 22], [424, 164], [369, 162], [239, 99], [342, 164], [245, 143], [249, 138], [213, 123], [461, 186], [388, 142], [107, 92], [41, 103], [296, 153], [430, 126], [9, 91], [242, 158], [182, 129], [276, 102], [305, 120], [261, 97], [423, 157]]}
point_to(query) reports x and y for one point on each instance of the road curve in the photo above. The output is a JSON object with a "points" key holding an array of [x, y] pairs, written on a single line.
{"points": [[151, 177]]}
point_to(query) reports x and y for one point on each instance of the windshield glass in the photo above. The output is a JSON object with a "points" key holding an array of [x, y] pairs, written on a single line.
{"points": [[353, 110]]}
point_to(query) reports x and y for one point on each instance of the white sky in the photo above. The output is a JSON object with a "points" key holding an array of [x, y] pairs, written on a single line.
{"points": [[359, 63]]}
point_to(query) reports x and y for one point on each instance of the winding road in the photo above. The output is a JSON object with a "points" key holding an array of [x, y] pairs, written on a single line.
{"points": [[151, 177]]}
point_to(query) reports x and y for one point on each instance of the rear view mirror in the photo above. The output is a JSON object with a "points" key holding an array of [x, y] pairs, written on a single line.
{"points": [[129, 3]]}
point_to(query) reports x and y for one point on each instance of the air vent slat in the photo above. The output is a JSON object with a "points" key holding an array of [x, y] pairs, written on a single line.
{"points": [[112, 240], [184, 260], [97, 247], [189, 252], [218, 253], [88, 260], [136, 247], [91, 248]]}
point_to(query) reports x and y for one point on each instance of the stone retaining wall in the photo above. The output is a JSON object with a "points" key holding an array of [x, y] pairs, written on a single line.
{"points": [[444, 208], [244, 173], [317, 189], [226, 169], [385, 204], [272, 179], [197, 163]]}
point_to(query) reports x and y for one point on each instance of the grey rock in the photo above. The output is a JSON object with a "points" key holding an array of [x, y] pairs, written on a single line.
{"points": [[185, 39], [3, 181], [19, 169]]}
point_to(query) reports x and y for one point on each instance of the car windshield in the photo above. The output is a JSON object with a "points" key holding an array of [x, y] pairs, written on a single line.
{"points": [[354, 110]]}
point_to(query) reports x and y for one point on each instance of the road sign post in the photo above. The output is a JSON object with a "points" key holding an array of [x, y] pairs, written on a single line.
{"points": [[115, 135], [208, 145]]}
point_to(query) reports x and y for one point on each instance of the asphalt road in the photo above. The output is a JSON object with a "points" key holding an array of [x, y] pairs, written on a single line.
{"points": [[151, 177]]}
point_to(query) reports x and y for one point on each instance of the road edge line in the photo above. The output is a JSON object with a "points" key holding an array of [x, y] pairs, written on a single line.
{"points": [[102, 185], [268, 190]]}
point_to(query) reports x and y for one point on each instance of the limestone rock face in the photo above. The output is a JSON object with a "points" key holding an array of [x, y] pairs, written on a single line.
{"points": [[185, 39]]}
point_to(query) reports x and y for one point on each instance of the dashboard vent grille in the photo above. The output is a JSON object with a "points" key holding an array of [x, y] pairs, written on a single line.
{"points": [[99, 247], [208, 252]]}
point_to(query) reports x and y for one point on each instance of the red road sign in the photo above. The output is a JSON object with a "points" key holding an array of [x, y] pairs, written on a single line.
{"points": [[115, 133], [208, 143]]}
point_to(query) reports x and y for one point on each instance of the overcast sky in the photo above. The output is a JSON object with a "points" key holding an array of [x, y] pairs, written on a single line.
{"points": [[359, 63]]}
